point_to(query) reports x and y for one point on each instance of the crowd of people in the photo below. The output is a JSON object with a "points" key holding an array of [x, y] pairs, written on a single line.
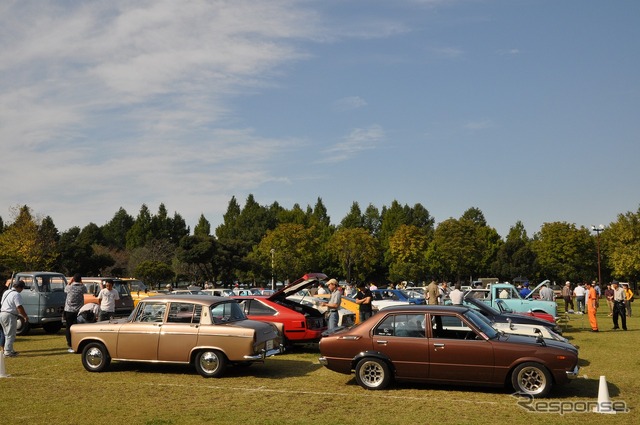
{"points": [[75, 310]]}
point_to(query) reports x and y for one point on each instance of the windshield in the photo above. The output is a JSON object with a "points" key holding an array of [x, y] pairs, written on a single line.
{"points": [[481, 323], [228, 311]]}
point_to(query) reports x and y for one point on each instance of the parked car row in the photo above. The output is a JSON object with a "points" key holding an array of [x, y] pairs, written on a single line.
{"points": [[471, 344]]}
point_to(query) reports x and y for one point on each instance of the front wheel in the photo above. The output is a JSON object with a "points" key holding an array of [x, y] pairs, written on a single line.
{"points": [[95, 357], [532, 379], [22, 326], [210, 363], [52, 327], [373, 374]]}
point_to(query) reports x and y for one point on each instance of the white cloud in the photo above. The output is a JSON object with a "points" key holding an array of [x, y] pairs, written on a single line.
{"points": [[129, 100], [358, 140]]}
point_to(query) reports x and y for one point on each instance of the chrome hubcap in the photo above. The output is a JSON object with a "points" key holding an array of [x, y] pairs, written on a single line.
{"points": [[209, 362], [94, 357]]}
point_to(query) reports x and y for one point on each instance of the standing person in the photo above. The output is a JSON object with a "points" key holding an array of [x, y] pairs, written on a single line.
{"points": [[11, 308], [567, 296], [322, 290], [372, 286], [525, 290], [628, 293], [432, 293], [456, 295], [619, 308], [108, 297], [580, 294], [443, 293], [3, 288], [592, 306], [546, 293], [608, 294], [364, 297], [333, 304], [75, 291]]}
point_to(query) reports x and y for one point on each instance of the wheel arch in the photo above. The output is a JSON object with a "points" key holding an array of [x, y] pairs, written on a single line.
{"points": [[373, 354]]}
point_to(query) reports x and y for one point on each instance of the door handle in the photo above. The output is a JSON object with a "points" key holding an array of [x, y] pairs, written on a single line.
{"points": [[438, 345], [382, 342]]}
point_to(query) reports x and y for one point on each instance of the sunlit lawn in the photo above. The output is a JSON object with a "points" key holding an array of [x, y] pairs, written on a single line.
{"points": [[47, 385]]}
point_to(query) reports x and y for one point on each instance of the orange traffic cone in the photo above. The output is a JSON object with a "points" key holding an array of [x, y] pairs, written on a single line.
{"points": [[604, 402]]}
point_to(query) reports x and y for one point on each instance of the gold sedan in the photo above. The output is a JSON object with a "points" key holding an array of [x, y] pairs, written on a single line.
{"points": [[205, 331]]}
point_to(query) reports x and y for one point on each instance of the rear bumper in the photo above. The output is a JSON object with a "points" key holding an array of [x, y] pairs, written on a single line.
{"points": [[265, 353]]}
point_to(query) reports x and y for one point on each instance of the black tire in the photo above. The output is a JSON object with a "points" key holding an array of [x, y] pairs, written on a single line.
{"points": [[532, 379], [22, 327], [373, 374], [52, 327], [210, 363], [95, 357]]}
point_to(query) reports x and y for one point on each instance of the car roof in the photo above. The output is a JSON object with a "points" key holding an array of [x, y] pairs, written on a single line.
{"points": [[427, 309], [197, 299]]}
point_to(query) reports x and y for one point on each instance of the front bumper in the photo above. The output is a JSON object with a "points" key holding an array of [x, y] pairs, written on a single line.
{"points": [[573, 374]]}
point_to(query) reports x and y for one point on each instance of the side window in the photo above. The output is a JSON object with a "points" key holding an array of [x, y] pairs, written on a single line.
{"points": [[386, 327], [450, 327], [402, 325], [57, 284], [256, 308], [151, 312], [28, 282], [181, 313]]}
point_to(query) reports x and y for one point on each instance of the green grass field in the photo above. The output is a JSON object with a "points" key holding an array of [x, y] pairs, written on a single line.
{"points": [[49, 386]]}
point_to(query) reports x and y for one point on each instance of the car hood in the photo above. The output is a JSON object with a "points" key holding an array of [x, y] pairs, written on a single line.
{"points": [[533, 291], [304, 282], [526, 339]]}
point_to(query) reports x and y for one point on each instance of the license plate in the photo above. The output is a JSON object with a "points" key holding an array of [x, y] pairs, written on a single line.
{"points": [[269, 345]]}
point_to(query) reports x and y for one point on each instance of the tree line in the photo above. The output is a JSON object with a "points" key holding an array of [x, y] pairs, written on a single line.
{"points": [[257, 243]]}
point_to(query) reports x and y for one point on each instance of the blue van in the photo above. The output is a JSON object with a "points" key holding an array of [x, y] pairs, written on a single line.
{"points": [[43, 299]]}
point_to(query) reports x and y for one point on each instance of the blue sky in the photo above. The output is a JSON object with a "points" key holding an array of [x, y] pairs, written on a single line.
{"points": [[527, 110]]}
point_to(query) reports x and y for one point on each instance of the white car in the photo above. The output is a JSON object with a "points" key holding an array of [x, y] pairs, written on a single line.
{"points": [[382, 304], [346, 318], [521, 329]]}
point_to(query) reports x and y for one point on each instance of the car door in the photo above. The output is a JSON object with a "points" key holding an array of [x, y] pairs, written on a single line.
{"points": [[179, 333], [138, 339], [401, 337], [457, 352]]}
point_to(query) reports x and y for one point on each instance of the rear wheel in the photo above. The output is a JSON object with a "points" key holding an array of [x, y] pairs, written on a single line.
{"points": [[373, 374], [95, 357], [210, 363], [531, 378]]}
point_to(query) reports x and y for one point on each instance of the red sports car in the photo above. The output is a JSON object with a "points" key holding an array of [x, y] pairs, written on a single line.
{"points": [[301, 323]]}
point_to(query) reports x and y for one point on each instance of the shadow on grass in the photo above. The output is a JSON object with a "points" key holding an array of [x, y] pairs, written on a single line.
{"points": [[272, 368], [577, 388]]}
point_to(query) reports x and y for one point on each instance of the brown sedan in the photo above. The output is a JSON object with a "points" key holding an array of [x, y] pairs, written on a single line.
{"points": [[447, 345], [205, 331]]}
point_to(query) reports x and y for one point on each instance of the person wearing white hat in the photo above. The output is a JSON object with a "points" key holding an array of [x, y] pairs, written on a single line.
{"points": [[333, 304], [12, 308]]}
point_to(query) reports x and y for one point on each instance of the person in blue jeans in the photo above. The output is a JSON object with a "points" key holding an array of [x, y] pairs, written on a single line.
{"points": [[333, 304]]}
